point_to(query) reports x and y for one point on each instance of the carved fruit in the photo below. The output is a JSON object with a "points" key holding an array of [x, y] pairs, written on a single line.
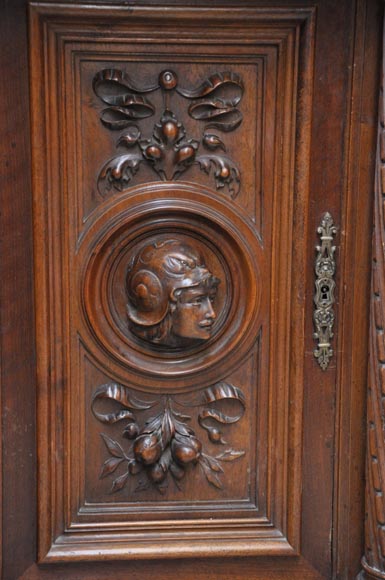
{"points": [[147, 449], [131, 431], [185, 153], [153, 152], [170, 131], [168, 80], [225, 172], [187, 450], [134, 468], [215, 435], [157, 473], [177, 471]]}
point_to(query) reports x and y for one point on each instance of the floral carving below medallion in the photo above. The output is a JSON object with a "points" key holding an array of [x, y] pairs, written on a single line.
{"points": [[163, 447]]}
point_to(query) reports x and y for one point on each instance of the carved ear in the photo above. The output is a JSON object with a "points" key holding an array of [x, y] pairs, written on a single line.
{"points": [[148, 300]]}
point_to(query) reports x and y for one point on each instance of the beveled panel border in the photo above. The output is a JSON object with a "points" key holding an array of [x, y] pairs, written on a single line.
{"points": [[52, 27]]}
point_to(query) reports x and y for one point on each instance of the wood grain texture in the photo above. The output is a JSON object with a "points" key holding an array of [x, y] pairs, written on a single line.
{"points": [[352, 381], [18, 383], [82, 319], [374, 560]]}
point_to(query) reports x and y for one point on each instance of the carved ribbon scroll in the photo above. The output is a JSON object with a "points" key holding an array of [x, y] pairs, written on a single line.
{"points": [[374, 560], [168, 151]]}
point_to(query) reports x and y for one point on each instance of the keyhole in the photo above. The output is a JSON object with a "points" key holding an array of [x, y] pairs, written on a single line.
{"points": [[325, 292]]}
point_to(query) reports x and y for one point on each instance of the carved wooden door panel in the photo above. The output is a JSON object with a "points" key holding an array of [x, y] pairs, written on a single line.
{"points": [[183, 158]]}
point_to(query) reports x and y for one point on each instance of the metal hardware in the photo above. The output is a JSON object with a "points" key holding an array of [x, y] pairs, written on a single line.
{"points": [[325, 268]]}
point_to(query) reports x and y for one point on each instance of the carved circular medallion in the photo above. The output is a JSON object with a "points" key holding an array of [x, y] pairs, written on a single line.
{"points": [[170, 286]]}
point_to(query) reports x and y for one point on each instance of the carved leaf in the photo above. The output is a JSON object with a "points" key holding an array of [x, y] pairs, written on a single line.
{"points": [[165, 460], [167, 429], [113, 446], [109, 466], [227, 86], [230, 455], [119, 482], [183, 429], [225, 171], [213, 463], [180, 416], [118, 172], [152, 424], [130, 138], [211, 475], [213, 142]]}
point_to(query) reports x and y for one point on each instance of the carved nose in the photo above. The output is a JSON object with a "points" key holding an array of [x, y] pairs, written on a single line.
{"points": [[210, 311]]}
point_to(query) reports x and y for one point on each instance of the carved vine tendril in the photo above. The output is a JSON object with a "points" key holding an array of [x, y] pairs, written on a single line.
{"points": [[168, 151], [164, 446]]}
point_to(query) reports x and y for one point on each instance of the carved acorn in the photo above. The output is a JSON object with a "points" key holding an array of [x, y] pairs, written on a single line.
{"points": [[186, 449], [147, 449]]}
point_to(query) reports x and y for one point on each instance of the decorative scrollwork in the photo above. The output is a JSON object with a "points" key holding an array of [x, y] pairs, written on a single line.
{"points": [[163, 446], [168, 151], [324, 296]]}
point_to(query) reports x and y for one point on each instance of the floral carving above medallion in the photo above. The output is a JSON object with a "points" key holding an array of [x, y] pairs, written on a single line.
{"points": [[169, 151], [163, 446]]}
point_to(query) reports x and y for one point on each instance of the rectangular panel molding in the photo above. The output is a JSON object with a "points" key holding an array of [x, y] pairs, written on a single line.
{"points": [[170, 155]]}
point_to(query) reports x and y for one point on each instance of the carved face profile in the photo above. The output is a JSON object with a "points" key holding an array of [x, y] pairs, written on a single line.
{"points": [[171, 294]]}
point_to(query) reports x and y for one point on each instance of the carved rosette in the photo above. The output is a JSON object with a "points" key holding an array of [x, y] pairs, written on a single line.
{"points": [[374, 560]]}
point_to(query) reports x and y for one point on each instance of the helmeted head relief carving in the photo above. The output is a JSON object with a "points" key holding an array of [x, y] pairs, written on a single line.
{"points": [[171, 294]]}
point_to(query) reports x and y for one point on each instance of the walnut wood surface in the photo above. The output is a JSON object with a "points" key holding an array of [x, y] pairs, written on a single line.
{"points": [[294, 425], [373, 561]]}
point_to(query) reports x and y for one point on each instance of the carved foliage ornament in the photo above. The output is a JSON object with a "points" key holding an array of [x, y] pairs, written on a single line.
{"points": [[171, 294], [164, 447], [168, 150], [324, 295]]}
